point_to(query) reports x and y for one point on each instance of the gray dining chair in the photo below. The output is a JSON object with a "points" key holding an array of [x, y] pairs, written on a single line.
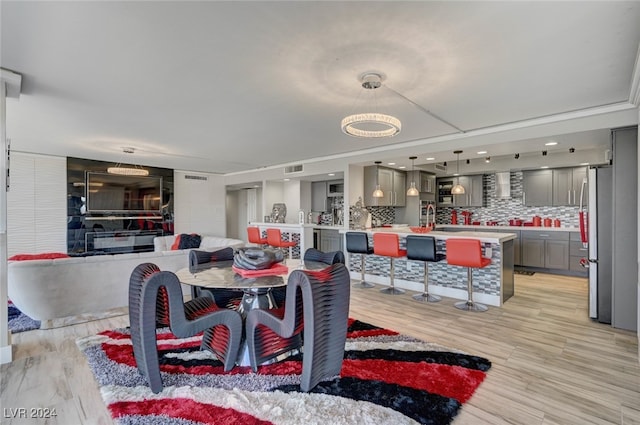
{"points": [[198, 260], [311, 254], [316, 308], [155, 298]]}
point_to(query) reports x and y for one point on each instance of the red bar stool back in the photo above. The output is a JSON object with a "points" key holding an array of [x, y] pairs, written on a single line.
{"points": [[388, 245], [274, 239], [467, 253], [254, 236]]}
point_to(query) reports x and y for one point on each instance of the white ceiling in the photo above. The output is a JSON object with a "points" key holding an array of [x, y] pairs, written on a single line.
{"points": [[229, 86]]}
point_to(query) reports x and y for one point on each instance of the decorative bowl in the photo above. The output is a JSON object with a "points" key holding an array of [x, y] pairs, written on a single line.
{"points": [[420, 229]]}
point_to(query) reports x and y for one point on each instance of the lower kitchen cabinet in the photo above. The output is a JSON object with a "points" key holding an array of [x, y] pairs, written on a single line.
{"points": [[330, 240], [549, 250], [576, 253]]}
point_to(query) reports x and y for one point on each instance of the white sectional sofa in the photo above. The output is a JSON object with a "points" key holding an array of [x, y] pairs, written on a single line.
{"points": [[71, 290]]}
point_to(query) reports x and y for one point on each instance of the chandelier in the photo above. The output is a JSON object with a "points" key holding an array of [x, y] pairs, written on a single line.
{"points": [[371, 124], [124, 170]]}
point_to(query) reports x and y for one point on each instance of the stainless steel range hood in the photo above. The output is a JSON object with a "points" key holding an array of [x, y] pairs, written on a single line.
{"points": [[503, 185]]}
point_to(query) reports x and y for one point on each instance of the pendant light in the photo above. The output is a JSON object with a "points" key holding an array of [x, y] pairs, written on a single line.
{"points": [[378, 192], [458, 189], [412, 191]]}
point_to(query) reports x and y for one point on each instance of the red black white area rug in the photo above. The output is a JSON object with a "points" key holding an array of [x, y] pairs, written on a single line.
{"points": [[386, 378]]}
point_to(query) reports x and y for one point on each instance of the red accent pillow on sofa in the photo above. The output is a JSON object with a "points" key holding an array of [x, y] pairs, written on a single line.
{"points": [[176, 244], [42, 256]]}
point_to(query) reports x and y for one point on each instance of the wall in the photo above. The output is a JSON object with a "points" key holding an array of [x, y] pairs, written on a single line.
{"points": [[36, 204], [199, 204]]}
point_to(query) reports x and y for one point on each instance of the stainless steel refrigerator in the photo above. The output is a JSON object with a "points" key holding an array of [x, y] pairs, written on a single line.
{"points": [[600, 240]]}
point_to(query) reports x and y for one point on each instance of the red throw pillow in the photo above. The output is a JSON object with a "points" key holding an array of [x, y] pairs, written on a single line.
{"points": [[176, 244], [42, 256]]}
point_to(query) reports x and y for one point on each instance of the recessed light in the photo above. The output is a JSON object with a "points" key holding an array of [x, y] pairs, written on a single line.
{"points": [[430, 158], [481, 152], [287, 180], [551, 143], [545, 166], [584, 163], [402, 167], [391, 163], [332, 174]]}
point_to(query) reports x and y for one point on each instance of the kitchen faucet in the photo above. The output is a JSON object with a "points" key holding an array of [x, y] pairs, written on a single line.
{"points": [[432, 208]]}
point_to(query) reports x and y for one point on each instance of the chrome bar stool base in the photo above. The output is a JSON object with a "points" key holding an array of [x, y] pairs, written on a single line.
{"points": [[427, 298], [364, 284], [392, 291], [470, 306]]}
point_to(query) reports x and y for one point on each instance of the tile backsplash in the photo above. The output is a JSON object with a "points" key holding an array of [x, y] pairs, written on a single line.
{"points": [[502, 210]]}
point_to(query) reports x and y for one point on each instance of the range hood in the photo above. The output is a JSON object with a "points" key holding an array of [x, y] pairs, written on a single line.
{"points": [[503, 185]]}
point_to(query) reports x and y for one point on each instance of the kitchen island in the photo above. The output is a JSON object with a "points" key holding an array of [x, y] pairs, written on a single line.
{"points": [[492, 285], [303, 234]]}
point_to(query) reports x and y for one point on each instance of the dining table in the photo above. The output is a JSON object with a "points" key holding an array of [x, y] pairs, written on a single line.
{"points": [[256, 290]]}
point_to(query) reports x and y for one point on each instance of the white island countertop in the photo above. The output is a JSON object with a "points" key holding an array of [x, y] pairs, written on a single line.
{"points": [[532, 228], [489, 237]]}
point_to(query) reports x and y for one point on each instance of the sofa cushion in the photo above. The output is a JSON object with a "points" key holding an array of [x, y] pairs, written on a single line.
{"points": [[176, 243], [189, 241]]}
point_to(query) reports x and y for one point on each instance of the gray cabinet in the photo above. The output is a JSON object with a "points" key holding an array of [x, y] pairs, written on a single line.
{"points": [[392, 182], [576, 253], [425, 182], [548, 250], [567, 183], [319, 196], [473, 191], [537, 190], [330, 240], [516, 245]]}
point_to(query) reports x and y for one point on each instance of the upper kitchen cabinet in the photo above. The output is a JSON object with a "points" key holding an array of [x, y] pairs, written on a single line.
{"points": [[425, 182], [323, 192], [537, 188], [567, 184], [392, 182], [319, 196], [473, 191]]}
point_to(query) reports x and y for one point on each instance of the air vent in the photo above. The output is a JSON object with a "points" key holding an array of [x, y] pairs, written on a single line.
{"points": [[440, 167], [293, 169], [191, 177]]}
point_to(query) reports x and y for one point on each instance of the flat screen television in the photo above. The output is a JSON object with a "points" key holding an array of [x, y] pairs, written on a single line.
{"points": [[112, 193]]}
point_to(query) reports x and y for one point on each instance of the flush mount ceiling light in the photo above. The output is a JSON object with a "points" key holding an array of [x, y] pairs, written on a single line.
{"points": [[135, 170], [413, 191], [378, 192], [458, 189], [371, 124]]}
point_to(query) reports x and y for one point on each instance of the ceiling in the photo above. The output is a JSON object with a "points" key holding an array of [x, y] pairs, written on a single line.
{"points": [[225, 87]]}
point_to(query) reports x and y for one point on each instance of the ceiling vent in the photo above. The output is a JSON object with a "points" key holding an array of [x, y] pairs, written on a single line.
{"points": [[293, 169], [192, 177], [440, 167]]}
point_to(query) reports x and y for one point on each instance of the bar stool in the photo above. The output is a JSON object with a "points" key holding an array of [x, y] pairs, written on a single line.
{"points": [[423, 248], [388, 245], [254, 236], [274, 239], [358, 243], [467, 253]]}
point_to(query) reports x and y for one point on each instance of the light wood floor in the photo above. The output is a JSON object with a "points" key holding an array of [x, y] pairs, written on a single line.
{"points": [[551, 364]]}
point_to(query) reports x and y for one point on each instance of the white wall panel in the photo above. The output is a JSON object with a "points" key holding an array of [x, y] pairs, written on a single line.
{"points": [[36, 204], [199, 204]]}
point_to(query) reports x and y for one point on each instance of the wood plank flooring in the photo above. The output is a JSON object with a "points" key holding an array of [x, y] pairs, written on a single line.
{"points": [[551, 363]]}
